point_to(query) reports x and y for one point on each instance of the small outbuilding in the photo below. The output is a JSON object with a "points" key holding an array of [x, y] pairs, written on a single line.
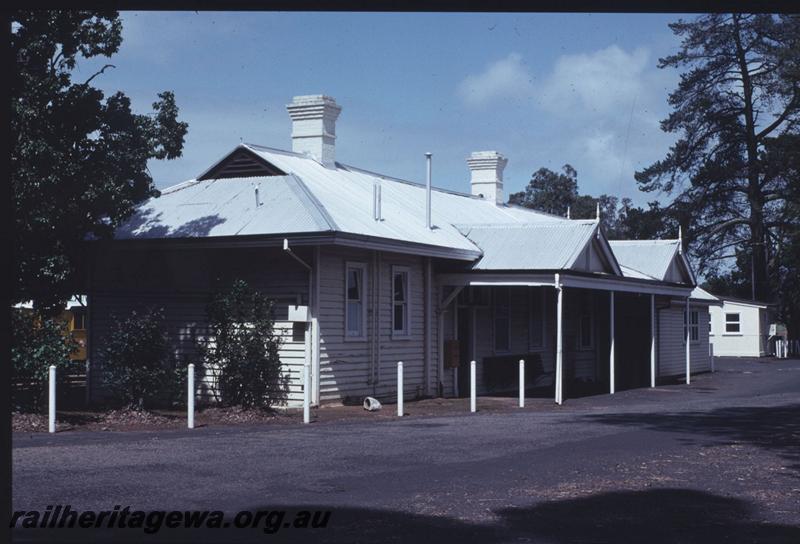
{"points": [[740, 328]]}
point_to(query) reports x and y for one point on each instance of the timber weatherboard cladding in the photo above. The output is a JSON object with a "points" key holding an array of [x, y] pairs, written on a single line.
{"points": [[182, 282], [671, 359], [347, 367]]}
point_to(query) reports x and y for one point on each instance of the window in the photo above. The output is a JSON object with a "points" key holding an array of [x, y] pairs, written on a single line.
{"points": [[400, 317], [356, 308], [732, 323], [586, 324], [502, 320], [694, 329], [536, 319], [78, 318]]}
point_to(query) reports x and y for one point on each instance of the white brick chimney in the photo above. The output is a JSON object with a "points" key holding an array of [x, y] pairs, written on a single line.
{"points": [[487, 175], [314, 127]]}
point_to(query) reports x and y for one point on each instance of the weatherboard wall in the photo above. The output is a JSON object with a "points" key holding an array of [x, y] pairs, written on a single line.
{"points": [[353, 368], [671, 359], [181, 281]]}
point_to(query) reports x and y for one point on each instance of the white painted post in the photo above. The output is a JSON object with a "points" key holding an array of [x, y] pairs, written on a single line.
{"points": [[307, 392], [52, 400], [559, 343], [711, 355], [190, 391], [688, 344], [652, 340], [522, 383], [472, 400], [399, 388], [611, 361]]}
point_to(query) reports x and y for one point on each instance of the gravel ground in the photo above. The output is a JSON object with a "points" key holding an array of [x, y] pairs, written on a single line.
{"points": [[716, 461]]}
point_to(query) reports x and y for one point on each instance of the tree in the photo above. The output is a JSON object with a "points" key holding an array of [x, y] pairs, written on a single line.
{"points": [[739, 97], [243, 348], [37, 343], [549, 192], [78, 159], [555, 193], [138, 366]]}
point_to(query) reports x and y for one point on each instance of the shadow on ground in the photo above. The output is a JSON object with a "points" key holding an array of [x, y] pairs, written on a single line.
{"points": [[773, 428], [653, 516]]}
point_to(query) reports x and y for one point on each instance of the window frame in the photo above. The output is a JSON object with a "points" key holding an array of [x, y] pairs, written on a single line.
{"points": [[694, 326], [532, 318], [737, 322], [362, 267], [404, 334], [496, 317]]}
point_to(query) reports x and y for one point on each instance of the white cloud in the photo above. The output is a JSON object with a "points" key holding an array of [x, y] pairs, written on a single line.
{"points": [[607, 104], [602, 82], [505, 78]]}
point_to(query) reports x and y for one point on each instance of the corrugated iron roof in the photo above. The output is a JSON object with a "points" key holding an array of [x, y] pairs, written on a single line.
{"points": [[533, 246], [698, 293], [311, 198], [227, 207], [314, 198], [649, 257]]}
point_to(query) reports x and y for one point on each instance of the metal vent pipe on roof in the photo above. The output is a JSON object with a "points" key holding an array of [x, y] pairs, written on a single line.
{"points": [[377, 214], [428, 193]]}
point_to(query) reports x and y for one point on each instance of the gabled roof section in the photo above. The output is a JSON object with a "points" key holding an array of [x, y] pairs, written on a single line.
{"points": [[660, 259], [241, 163], [555, 245]]}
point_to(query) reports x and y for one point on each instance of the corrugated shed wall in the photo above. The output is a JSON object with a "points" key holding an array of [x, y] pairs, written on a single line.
{"points": [[181, 282]]}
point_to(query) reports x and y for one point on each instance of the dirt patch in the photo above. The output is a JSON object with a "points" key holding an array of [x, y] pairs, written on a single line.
{"points": [[146, 420], [28, 423]]}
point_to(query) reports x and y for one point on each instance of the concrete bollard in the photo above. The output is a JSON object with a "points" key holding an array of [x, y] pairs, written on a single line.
{"points": [[190, 391], [307, 393], [400, 389], [472, 400], [522, 383], [52, 400]]}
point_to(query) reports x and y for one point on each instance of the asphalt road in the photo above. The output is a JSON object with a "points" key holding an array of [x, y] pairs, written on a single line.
{"points": [[716, 461]]}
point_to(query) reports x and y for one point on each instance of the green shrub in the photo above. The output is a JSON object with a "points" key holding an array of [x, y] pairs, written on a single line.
{"points": [[36, 343], [139, 369], [243, 348]]}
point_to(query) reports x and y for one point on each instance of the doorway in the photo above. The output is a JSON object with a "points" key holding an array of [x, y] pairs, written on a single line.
{"points": [[465, 355]]}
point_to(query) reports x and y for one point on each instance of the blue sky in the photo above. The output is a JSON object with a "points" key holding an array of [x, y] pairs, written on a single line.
{"points": [[543, 89]]}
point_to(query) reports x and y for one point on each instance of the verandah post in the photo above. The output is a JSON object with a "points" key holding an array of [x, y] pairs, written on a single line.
{"points": [[559, 341], [652, 340], [611, 361], [688, 343]]}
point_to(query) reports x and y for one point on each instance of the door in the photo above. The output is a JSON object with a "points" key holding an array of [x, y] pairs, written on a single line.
{"points": [[464, 349]]}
